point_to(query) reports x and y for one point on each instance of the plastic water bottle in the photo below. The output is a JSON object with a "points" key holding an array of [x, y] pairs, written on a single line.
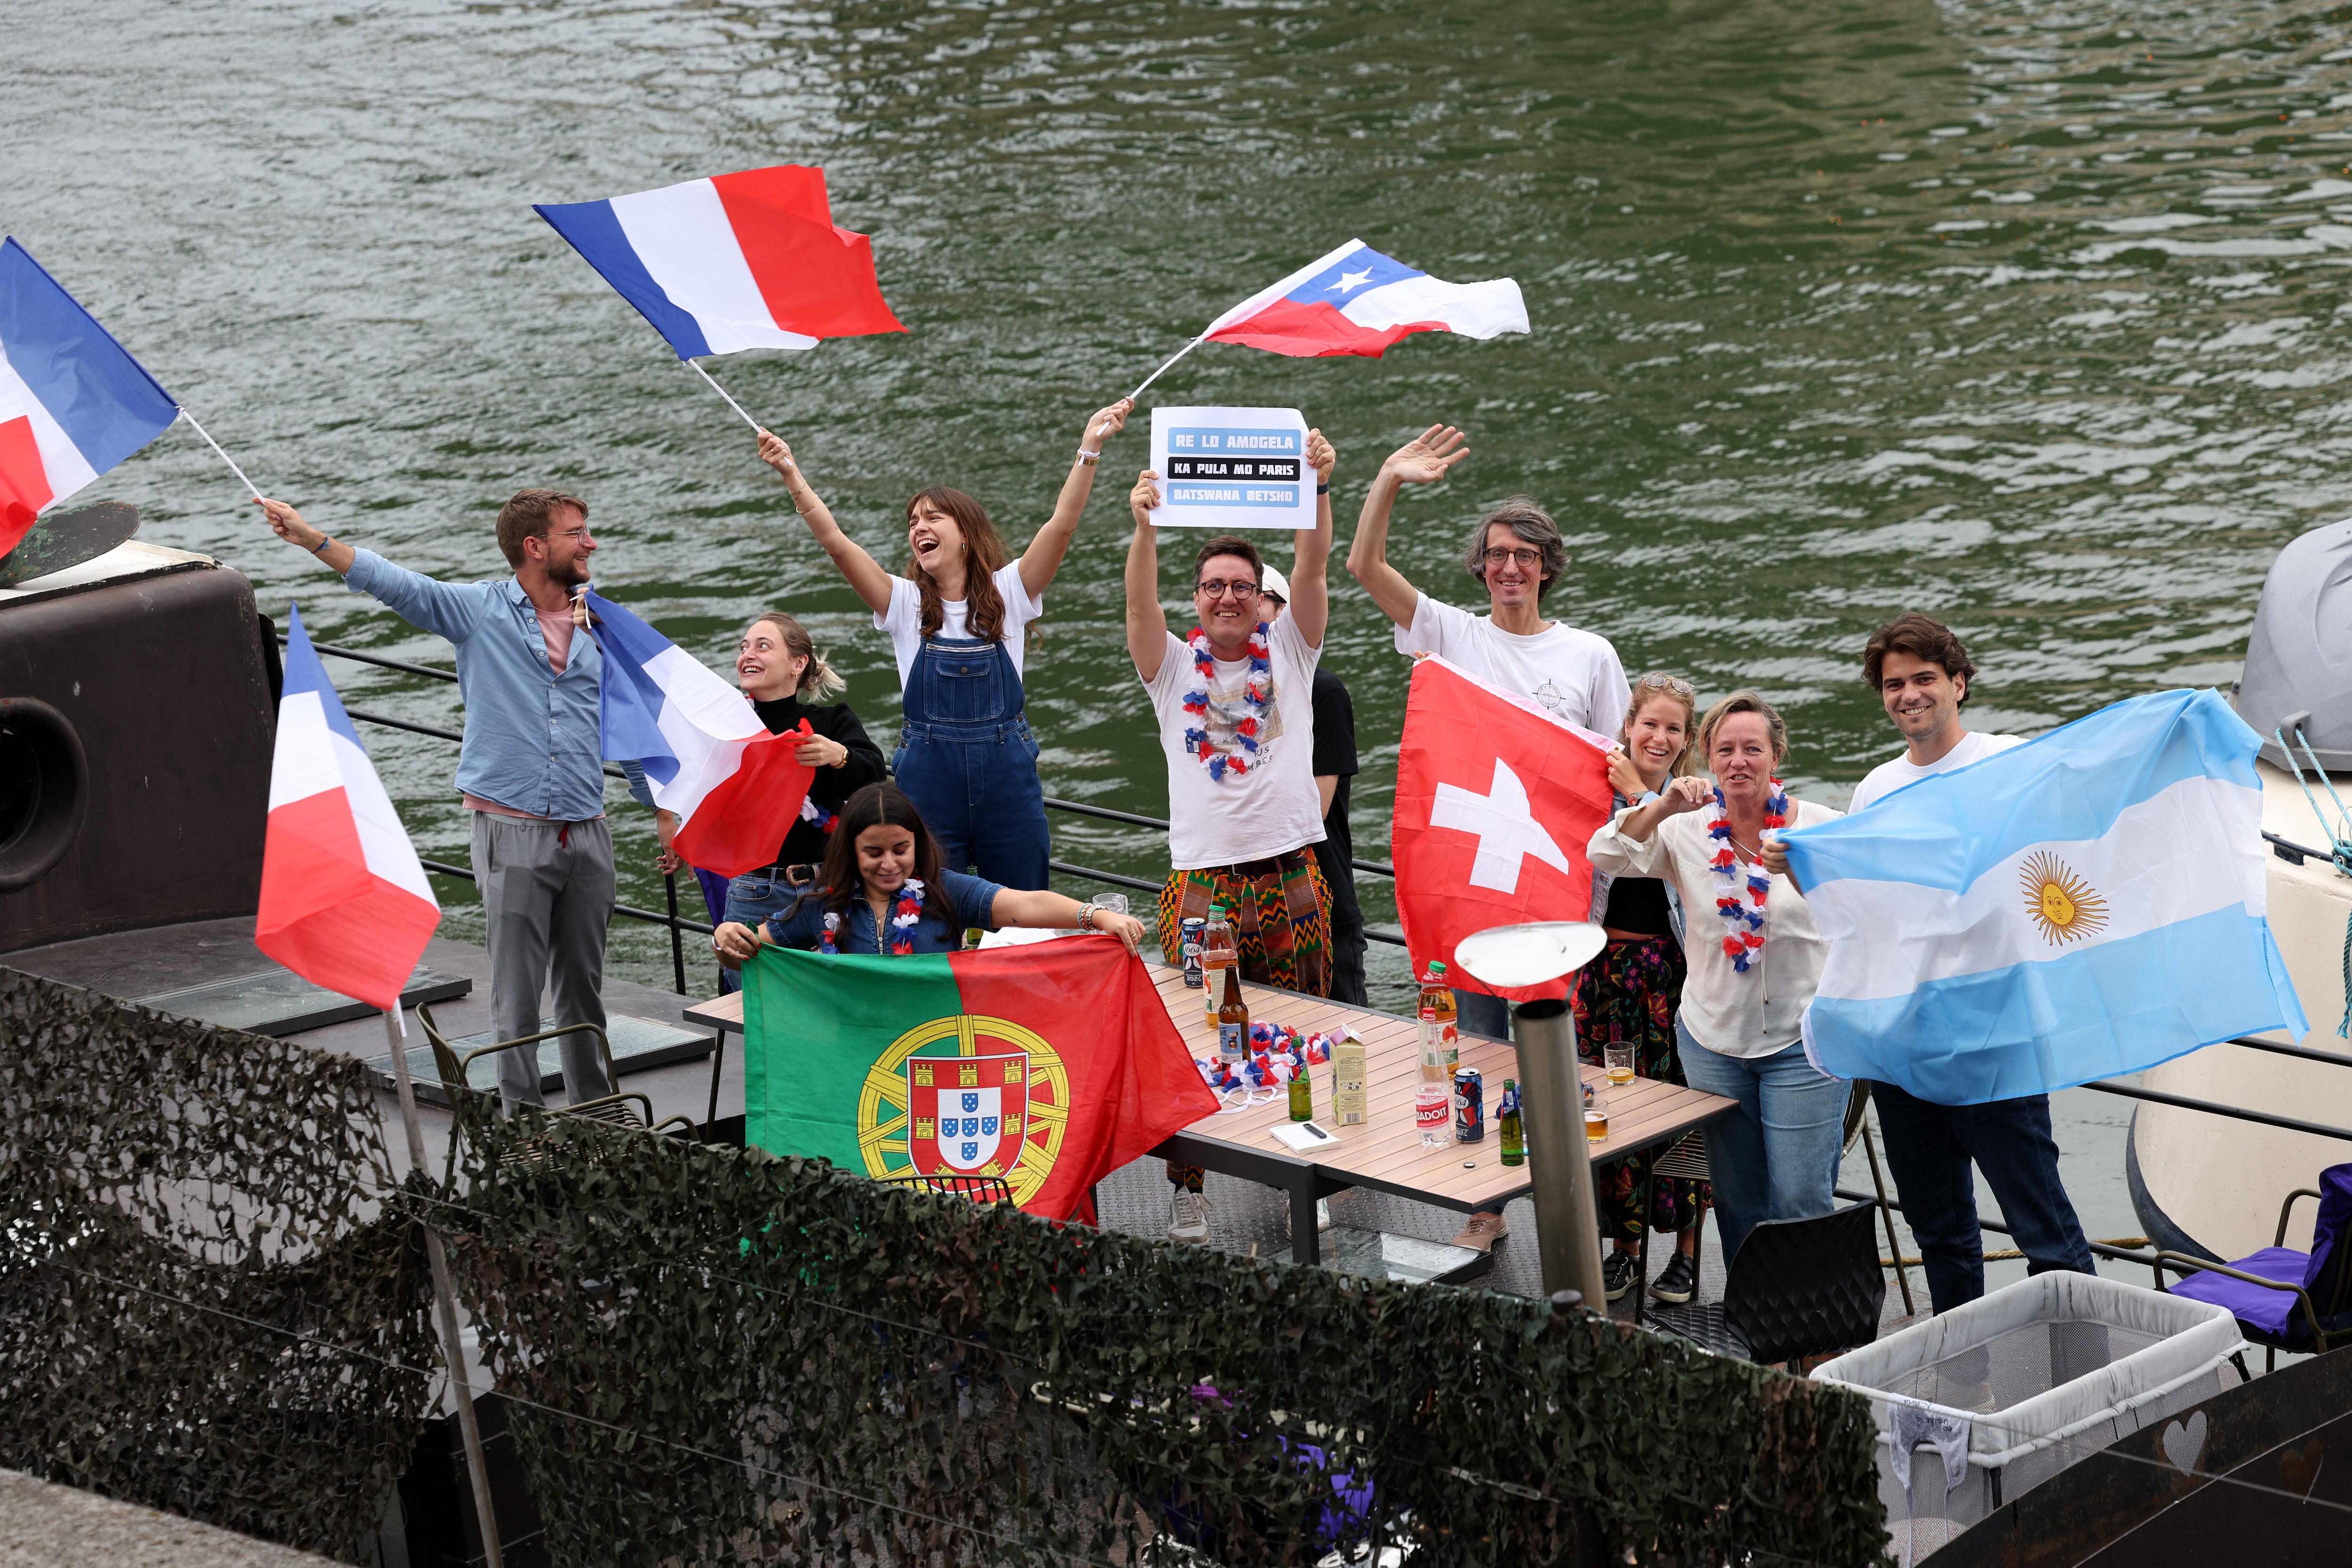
{"points": [[1433, 1114]]}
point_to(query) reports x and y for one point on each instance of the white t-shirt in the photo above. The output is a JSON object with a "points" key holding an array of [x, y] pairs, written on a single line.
{"points": [[1272, 808], [1888, 777], [904, 619], [1575, 675]]}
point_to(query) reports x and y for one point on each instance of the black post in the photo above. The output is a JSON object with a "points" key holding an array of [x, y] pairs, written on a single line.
{"points": [[677, 936]]}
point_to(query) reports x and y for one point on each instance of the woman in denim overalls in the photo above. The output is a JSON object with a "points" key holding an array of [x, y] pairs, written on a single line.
{"points": [[957, 620]]}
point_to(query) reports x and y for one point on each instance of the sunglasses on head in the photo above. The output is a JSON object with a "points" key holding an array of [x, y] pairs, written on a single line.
{"points": [[1658, 680]]}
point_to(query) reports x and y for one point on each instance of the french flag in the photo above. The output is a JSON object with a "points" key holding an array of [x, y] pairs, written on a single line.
{"points": [[750, 260], [1358, 301], [736, 788], [73, 403], [345, 903]]}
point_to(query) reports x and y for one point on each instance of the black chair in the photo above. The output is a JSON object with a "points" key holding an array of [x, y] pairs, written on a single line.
{"points": [[625, 1109], [1797, 1287], [978, 1189]]}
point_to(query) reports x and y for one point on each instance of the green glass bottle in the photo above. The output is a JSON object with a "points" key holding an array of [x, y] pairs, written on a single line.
{"points": [[1302, 1096], [1508, 1122]]}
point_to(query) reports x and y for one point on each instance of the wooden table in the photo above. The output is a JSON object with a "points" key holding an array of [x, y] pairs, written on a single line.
{"points": [[1386, 1154]]}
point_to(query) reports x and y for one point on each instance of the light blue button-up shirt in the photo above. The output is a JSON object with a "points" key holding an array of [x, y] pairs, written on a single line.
{"points": [[533, 740]]}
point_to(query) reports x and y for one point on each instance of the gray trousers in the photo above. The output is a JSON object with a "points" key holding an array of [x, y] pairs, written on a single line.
{"points": [[547, 890]]}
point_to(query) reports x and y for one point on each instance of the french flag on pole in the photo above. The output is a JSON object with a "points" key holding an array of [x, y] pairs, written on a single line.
{"points": [[736, 788], [748, 260], [1358, 301], [73, 403], [345, 903]]}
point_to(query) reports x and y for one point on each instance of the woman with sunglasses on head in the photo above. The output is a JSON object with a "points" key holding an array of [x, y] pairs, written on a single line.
{"points": [[1754, 963], [884, 890], [959, 621], [779, 668], [1629, 994]]}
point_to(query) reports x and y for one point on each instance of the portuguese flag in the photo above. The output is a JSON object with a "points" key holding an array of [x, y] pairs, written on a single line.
{"points": [[1050, 1065]]}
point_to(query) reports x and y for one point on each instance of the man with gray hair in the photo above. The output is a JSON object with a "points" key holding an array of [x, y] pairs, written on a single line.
{"points": [[1516, 556]]}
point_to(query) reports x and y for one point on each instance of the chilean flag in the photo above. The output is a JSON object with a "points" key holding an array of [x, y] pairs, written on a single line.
{"points": [[345, 903], [1495, 801], [1358, 301], [739, 261], [736, 789], [73, 403]]}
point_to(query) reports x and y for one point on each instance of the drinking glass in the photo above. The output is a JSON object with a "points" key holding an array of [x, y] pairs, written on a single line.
{"points": [[1620, 1063], [1115, 902], [1596, 1113]]}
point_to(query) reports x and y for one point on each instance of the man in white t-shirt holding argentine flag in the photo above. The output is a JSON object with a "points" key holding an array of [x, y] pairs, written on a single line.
{"points": [[1921, 671]]}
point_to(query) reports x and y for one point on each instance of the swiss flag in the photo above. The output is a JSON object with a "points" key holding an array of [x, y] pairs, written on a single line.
{"points": [[1495, 801]]}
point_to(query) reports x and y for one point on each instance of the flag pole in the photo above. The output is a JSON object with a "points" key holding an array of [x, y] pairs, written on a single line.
{"points": [[1156, 375], [452, 1347], [225, 457], [722, 391]]}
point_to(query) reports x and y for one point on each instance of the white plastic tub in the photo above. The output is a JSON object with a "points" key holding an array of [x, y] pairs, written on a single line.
{"points": [[2004, 1393]]}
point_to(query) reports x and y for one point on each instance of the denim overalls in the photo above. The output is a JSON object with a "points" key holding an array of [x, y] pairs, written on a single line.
{"points": [[967, 759]]}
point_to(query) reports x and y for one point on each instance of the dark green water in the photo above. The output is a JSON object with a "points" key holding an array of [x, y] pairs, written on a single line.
{"points": [[2023, 315]]}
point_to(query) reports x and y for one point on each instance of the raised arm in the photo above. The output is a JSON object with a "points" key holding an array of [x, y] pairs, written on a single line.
{"points": [[1043, 556], [849, 558], [1423, 460], [1310, 596], [1146, 623], [441, 608]]}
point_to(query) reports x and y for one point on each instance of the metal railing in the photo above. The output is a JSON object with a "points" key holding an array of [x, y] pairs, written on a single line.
{"points": [[678, 924]]}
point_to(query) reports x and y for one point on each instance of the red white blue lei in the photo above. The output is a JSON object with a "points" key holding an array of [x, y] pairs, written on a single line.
{"points": [[1743, 923], [1278, 1053], [825, 820], [1257, 691], [904, 918]]}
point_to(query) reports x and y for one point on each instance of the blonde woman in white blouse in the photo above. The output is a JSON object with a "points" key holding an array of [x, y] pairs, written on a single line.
{"points": [[1754, 957]]}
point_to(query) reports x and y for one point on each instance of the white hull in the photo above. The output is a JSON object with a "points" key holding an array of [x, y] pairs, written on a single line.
{"points": [[2216, 1183]]}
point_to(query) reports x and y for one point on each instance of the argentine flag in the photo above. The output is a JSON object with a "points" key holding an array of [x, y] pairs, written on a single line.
{"points": [[2087, 904]]}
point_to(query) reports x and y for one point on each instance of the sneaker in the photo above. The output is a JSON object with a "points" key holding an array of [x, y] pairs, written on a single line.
{"points": [[1188, 1215], [1677, 1282], [1617, 1272], [1483, 1231]]}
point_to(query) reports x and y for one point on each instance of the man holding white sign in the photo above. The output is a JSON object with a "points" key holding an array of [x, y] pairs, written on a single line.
{"points": [[1235, 717]]}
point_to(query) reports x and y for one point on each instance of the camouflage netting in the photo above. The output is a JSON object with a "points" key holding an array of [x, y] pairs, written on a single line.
{"points": [[721, 1357], [201, 1308]]}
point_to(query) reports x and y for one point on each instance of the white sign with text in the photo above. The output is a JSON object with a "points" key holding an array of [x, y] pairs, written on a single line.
{"points": [[1230, 468]]}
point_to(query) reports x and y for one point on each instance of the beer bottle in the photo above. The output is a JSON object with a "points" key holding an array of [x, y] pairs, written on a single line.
{"points": [[1232, 1020], [1302, 1097], [1220, 950], [1508, 1122]]}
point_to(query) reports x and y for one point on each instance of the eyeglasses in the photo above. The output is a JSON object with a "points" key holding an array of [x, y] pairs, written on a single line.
{"points": [[1526, 558], [1659, 680], [1243, 589]]}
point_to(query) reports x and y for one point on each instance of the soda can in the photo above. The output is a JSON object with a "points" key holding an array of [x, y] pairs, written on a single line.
{"points": [[1193, 933], [1469, 1106]]}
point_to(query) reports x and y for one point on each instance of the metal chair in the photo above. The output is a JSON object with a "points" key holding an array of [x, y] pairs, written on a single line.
{"points": [[626, 1108], [978, 1189], [2285, 1299], [1796, 1288]]}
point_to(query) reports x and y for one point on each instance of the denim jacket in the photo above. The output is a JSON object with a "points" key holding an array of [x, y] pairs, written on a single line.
{"points": [[532, 737]]}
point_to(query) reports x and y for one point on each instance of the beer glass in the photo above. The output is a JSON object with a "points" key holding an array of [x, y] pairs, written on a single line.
{"points": [[1620, 1059]]}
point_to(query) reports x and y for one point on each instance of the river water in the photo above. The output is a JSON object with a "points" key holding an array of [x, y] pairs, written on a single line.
{"points": [[2023, 315]]}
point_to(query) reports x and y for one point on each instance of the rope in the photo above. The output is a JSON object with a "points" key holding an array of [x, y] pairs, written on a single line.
{"points": [[2339, 850]]}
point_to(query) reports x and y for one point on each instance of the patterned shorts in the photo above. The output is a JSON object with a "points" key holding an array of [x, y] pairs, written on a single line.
{"points": [[1281, 910]]}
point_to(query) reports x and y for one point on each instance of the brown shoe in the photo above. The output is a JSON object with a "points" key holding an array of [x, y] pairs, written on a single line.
{"points": [[1483, 1231]]}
